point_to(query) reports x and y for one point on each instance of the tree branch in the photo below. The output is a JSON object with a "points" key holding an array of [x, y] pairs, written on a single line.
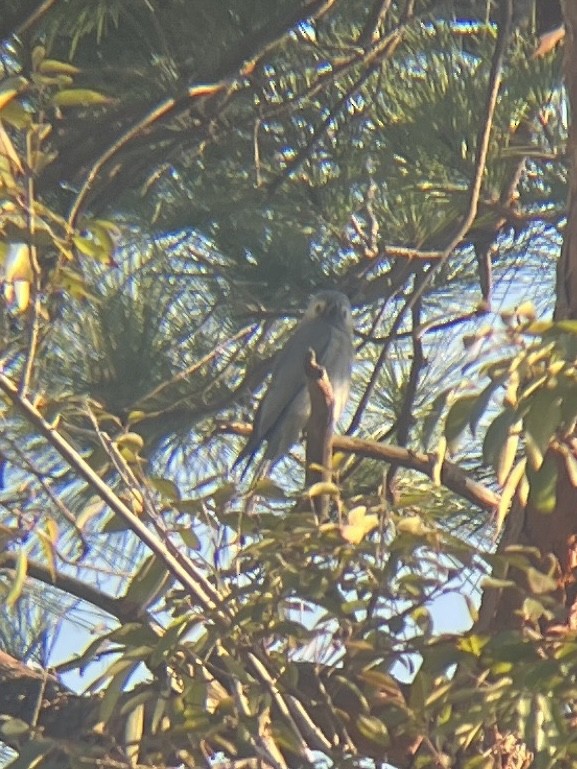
{"points": [[452, 476], [319, 431], [190, 577]]}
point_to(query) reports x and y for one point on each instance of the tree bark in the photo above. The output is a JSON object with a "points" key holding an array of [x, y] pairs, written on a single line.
{"points": [[566, 300]]}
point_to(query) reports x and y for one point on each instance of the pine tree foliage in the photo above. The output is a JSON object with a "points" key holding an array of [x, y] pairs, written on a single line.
{"points": [[176, 179]]}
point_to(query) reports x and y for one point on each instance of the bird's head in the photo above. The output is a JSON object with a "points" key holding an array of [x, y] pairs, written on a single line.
{"points": [[333, 306]]}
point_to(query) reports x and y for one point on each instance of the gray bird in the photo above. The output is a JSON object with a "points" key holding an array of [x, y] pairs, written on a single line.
{"points": [[283, 412]]}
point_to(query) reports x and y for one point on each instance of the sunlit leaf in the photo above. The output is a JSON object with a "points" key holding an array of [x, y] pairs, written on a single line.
{"points": [[55, 67], [359, 525], [508, 492], [11, 87], [323, 487], [133, 733], [79, 97], [17, 584], [539, 582]]}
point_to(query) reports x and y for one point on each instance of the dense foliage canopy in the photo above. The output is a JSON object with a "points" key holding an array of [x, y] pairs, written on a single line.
{"points": [[177, 177]]}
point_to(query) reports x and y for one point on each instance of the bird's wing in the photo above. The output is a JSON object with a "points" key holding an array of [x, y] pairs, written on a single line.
{"points": [[288, 376], [287, 382]]}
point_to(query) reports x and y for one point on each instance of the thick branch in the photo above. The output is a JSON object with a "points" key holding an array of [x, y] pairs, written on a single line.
{"points": [[319, 431], [566, 305], [452, 476]]}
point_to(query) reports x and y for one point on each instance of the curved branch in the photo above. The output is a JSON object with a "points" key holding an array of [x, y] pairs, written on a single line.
{"points": [[452, 476], [114, 607]]}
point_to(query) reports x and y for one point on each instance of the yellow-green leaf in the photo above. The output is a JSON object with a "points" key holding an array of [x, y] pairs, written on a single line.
{"points": [[48, 539], [133, 733], [526, 310], [358, 525], [11, 87], [148, 584], [166, 488], [539, 582], [92, 248], [79, 97], [373, 729], [508, 453], [265, 487], [509, 490], [459, 417], [55, 67], [412, 524], [496, 436], [19, 579], [323, 487], [543, 417], [37, 56], [130, 440]]}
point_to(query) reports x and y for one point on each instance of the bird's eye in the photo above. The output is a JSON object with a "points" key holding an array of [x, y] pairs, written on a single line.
{"points": [[319, 308]]}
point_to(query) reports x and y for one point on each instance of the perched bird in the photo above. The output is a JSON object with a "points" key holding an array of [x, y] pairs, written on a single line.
{"points": [[283, 412]]}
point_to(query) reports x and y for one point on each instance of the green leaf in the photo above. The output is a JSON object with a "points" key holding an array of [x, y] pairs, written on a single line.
{"points": [[11, 87], [115, 688], [508, 453], [459, 417], [434, 415], [543, 417], [34, 753], [543, 484], [189, 537], [569, 326], [13, 728], [267, 488], [373, 729], [92, 248], [497, 435], [148, 584], [133, 733], [511, 485], [166, 487], [483, 400], [539, 582]]}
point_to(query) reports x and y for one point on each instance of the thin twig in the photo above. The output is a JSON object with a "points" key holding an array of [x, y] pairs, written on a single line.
{"points": [[159, 111], [482, 149], [405, 419], [32, 253]]}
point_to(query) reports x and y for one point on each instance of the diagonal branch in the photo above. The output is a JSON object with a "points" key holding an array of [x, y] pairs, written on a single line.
{"points": [[482, 150], [452, 476], [190, 576]]}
